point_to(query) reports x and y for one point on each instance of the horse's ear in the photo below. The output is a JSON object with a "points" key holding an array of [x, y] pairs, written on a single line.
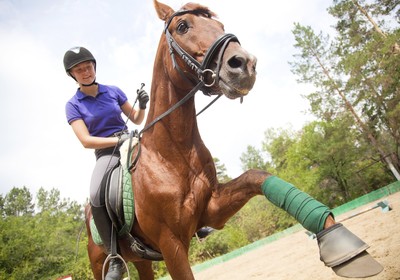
{"points": [[163, 11]]}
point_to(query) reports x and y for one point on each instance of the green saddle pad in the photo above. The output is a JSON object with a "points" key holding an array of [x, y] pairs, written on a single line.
{"points": [[128, 205]]}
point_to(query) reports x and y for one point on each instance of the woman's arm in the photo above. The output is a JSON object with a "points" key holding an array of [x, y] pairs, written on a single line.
{"points": [[91, 142], [136, 116]]}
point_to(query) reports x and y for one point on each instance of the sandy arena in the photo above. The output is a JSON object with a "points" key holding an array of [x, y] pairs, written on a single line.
{"points": [[296, 257]]}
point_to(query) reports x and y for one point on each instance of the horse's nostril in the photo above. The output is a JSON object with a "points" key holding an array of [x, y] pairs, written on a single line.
{"points": [[235, 62], [254, 67]]}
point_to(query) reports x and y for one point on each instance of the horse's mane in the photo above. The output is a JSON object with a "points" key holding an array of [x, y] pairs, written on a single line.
{"points": [[199, 9]]}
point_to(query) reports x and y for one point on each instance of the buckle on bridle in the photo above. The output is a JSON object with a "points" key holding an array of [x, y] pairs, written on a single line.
{"points": [[211, 74]]}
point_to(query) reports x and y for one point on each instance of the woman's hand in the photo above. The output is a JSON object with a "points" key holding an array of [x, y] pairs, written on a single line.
{"points": [[143, 98]]}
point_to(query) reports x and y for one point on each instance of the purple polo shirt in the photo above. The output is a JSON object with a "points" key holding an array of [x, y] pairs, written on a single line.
{"points": [[101, 114]]}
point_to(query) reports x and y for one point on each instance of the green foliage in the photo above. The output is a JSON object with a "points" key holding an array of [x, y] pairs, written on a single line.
{"points": [[222, 176], [253, 159], [217, 244], [160, 269], [328, 160], [41, 245], [259, 218], [256, 220], [52, 242], [358, 72], [2, 201], [18, 202]]}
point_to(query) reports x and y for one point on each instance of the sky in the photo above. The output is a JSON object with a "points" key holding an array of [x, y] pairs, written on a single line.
{"points": [[38, 147]]}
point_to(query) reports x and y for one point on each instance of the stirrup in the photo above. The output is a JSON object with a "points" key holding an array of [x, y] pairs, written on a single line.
{"points": [[116, 268]]}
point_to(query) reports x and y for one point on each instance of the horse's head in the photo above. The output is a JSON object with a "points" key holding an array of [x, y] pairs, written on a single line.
{"points": [[201, 52]]}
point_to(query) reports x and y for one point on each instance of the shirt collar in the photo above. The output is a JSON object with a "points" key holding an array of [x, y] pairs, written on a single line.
{"points": [[101, 88]]}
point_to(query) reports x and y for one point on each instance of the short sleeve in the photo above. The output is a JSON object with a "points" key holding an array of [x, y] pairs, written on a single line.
{"points": [[121, 96], [72, 112]]}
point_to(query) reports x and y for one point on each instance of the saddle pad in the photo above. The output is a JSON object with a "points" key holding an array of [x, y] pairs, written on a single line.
{"points": [[128, 205]]}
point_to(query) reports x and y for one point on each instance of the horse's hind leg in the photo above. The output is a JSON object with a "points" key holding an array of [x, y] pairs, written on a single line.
{"points": [[97, 258], [95, 253], [145, 270]]}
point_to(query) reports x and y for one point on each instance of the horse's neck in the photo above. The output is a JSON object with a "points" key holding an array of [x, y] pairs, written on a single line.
{"points": [[180, 126], [178, 130]]}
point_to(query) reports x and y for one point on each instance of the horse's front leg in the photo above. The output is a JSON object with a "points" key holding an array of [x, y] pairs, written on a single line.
{"points": [[175, 253], [230, 197], [339, 248]]}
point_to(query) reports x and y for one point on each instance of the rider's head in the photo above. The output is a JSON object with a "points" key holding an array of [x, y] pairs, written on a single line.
{"points": [[78, 59]]}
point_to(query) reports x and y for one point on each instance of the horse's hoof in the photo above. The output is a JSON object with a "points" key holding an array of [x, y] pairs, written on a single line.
{"points": [[345, 253]]}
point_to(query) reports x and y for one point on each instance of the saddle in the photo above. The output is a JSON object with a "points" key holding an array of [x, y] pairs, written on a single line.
{"points": [[116, 188], [119, 198]]}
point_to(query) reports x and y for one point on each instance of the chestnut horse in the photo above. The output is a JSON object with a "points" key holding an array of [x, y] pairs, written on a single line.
{"points": [[175, 184]]}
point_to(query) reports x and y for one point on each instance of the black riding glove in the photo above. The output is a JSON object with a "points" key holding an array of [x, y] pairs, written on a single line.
{"points": [[124, 137], [143, 98]]}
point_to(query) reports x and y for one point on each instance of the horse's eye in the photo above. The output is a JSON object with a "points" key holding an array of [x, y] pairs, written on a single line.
{"points": [[182, 27]]}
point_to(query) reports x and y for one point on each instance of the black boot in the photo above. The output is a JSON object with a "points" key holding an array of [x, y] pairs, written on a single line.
{"points": [[204, 232], [104, 226], [116, 269]]}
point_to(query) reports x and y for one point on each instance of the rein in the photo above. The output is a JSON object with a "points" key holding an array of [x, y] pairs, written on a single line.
{"points": [[200, 69]]}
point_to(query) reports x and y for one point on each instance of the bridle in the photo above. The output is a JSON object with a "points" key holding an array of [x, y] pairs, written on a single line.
{"points": [[201, 69]]}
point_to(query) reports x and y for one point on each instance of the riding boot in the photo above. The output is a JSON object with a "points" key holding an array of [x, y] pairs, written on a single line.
{"points": [[204, 232], [104, 227], [116, 269]]}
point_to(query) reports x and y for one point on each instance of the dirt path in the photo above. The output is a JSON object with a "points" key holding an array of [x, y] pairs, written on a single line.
{"points": [[296, 257]]}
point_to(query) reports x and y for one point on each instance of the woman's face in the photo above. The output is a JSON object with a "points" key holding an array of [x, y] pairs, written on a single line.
{"points": [[84, 72]]}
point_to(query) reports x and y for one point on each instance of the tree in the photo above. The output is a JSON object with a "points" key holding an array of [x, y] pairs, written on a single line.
{"points": [[222, 176], [18, 202], [42, 245], [373, 65], [327, 161], [318, 64], [276, 143], [2, 213], [253, 159]]}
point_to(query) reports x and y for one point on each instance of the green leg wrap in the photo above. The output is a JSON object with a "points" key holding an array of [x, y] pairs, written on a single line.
{"points": [[310, 213]]}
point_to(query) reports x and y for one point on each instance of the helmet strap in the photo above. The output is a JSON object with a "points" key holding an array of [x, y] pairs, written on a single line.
{"points": [[91, 84], [85, 85]]}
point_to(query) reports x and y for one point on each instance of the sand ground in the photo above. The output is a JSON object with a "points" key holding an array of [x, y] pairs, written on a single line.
{"points": [[296, 257]]}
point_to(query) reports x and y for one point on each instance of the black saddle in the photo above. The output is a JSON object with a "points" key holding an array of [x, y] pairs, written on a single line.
{"points": [[112, 195]]}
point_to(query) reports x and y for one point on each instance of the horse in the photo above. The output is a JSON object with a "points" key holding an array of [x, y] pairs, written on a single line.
{"points": [[174, 180]]}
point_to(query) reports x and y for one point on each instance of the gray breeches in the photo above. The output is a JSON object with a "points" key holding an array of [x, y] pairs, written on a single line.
{"points": [[103, 164]]}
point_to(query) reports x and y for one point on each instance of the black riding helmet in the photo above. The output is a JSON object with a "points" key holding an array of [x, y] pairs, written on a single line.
{"points": [[76, 55]]}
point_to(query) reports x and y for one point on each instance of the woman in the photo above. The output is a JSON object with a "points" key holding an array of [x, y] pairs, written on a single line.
{"points": [[94, 113]]}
